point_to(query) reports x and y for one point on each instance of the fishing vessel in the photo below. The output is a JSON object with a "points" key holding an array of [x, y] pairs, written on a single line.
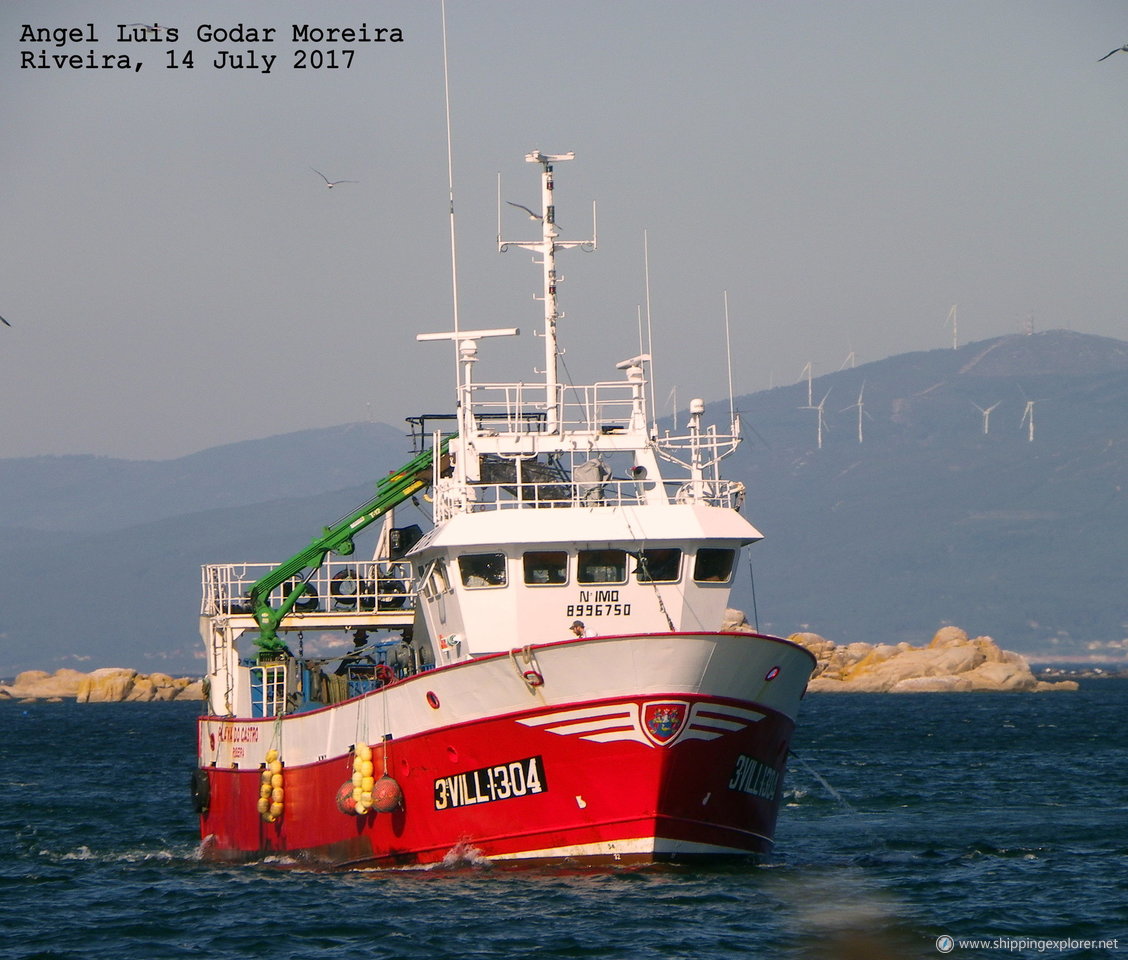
{"points": [[538, 673]]}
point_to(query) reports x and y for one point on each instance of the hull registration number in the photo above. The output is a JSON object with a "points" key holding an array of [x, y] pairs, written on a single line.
{"points": [[504, 781]]}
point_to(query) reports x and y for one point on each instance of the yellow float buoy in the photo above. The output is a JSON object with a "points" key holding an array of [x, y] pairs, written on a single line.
{"points": [[271, 789]]}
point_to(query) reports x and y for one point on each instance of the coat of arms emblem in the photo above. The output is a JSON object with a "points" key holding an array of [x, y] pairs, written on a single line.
{"points": [[663, 720]]}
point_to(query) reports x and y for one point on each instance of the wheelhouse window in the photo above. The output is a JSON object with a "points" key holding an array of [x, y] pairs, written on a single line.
{"points": [[713, 565], [545, 567], [658, 566], [482, 569], [601, 566]]}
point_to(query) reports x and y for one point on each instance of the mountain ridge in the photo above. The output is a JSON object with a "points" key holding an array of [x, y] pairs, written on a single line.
{"points": [[927, 521]]}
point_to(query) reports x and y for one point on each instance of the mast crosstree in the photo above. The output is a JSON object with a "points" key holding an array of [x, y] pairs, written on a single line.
{"points": [[547, 246]]}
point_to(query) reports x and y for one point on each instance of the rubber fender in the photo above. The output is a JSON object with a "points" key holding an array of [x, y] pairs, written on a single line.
{"points": [[201, 791]]}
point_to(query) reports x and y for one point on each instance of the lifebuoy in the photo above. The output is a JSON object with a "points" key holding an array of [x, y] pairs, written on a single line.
{"points": [[385, 674], [344, 588], [392, 596], [307, 601]]}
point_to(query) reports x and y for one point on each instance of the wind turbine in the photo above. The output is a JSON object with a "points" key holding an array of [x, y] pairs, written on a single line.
{"points": [[1028, 419], [861, 410], [986, 414], [822, 419], [955, 326], [807, 373]]}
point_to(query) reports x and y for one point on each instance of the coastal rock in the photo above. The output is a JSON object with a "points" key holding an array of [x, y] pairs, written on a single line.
{"points": [[105, 685], [951, 662], [734, 621], [40, 685]]}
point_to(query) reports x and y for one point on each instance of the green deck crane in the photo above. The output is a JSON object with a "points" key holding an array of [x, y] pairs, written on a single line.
{"points": [[391, 491]]}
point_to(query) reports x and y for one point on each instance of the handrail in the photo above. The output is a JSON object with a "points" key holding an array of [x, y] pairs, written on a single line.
{"points": [[557, 494]]}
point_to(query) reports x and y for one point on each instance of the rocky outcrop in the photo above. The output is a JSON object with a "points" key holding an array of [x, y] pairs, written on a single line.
{"points": [[952, 662], [106, 685]]}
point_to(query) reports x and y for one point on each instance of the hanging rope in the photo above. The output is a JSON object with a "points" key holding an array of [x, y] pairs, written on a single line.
{"points": [[640, 557], [385, 739], [755, 612], [529, 669], [645, 568]]}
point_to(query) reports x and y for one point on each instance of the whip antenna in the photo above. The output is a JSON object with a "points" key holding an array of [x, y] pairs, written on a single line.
{"points": [[649, 327], [728, 355], [450, 186]]}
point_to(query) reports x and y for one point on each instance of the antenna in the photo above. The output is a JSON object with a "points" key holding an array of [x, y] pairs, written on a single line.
{"points": [[649, 328], [986, 415], [450, 185], [861, 411], [499, 207], [728, 357]]}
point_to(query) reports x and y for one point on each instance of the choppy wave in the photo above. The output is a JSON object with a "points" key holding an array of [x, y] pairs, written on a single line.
{"points": [[909, 817]]}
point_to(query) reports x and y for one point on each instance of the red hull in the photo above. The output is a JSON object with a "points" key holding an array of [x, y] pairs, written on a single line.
{"points": [[479, 789]]}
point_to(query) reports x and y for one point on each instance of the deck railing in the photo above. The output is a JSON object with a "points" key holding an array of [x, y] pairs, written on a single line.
{"points": [[481, 497], [520, 407], [335, 587]]}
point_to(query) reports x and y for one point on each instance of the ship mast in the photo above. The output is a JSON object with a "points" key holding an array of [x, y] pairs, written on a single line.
{"points": [[547, 246]]}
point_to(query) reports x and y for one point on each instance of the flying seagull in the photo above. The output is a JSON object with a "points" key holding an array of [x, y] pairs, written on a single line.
{"points": [[331, 183], [534, 216], [1123, 49], [5, 322], [149, 27]]}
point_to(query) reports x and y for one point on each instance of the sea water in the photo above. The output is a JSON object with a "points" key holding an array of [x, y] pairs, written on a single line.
{"points": [[998, 818]]}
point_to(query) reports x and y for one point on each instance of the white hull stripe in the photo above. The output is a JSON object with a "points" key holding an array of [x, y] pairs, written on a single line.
{"points": [[633, 846], [627, 721]]}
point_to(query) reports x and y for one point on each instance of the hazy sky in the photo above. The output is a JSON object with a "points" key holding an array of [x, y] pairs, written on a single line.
{"points": [[177, 277]]}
